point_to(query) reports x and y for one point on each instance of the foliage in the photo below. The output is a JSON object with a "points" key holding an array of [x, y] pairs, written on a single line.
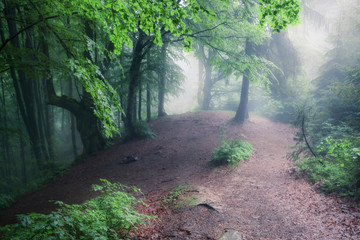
{"points": [[6, 200], [63, 52], [231, 152], [142, 130], [177, 199], [279, 13], [328, 152], [337, 168], [111, 215], [104, 96]]}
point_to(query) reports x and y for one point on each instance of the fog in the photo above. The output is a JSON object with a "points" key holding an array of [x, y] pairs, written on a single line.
{"points": [[187, 99], [312, 40]]}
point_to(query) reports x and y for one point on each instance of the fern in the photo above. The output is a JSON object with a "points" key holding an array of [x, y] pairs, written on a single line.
{"points": [[232, 152]]}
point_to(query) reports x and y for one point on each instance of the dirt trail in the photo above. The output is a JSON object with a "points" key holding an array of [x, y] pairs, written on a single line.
{"points": [[260, 198]]}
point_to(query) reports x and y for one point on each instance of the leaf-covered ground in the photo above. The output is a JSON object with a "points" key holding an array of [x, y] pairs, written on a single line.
{"points": [[262, 198]]}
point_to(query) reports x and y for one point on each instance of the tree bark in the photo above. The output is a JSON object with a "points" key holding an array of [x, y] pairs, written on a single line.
{"points": [[148, 103], [208, 81], [207, 87], [24, 91], [162, 80], [148, 92], [73, 122], [201, 83], [22, 152], [242, 112], [5, 134], [139, 102], [86, 121], [134, 82]]}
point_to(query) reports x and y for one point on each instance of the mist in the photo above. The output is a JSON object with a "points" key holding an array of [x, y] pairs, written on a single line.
{"points": [[186, 99], [308, 49]]}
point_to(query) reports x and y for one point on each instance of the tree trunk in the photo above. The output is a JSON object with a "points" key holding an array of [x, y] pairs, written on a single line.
{"points": [[208, 82], [73, 122], [49, 116], [22, 152], [201, 83], [135, 107], [86, 121], [5, 134], [134, 82], [148, 92], [242, 112], [148, 103], [49, 123], [139, 102], [207, 87], [40, 119], [162, 80], [24, 91]]}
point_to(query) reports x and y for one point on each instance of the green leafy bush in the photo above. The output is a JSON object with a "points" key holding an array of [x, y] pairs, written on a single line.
{"points": [[111, 215], [337, 167], [231, 152], [142, 130], [6, 200]]}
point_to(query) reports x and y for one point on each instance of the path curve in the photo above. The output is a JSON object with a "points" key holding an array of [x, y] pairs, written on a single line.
{"points": [[260, 198], [264, 201]]}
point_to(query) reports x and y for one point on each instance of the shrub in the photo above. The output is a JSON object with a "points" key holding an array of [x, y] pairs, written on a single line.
{"points": [[111, 215], [142, 130], [231, 152], [6, 200], [337, 168]]}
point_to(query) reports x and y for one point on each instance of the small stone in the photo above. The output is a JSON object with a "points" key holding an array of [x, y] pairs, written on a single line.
{"points": [[230, 234]]}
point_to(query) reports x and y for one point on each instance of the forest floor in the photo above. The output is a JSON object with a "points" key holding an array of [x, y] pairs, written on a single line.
{"points": [[262, 198]]}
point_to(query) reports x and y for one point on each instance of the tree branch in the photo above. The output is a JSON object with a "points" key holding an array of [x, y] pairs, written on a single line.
{"points": [[24, 29]]}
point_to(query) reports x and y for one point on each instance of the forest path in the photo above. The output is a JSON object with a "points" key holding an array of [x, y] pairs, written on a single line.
{"points": [[261, 198]]}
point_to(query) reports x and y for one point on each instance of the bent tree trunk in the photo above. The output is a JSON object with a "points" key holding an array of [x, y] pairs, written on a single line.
{"points": [[86, 121]]}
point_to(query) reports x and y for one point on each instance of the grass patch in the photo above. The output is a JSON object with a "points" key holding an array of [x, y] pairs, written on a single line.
{"points": [[178, 198]]}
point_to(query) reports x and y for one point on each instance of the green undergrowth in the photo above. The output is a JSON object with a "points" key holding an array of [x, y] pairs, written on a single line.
{"points": [[111, 215], [14, 187], [231, 151], [142, 130], [336, 167], [327, 153]]}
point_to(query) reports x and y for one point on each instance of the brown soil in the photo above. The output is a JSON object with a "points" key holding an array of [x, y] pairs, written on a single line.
{"points": [[261, 198]]}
